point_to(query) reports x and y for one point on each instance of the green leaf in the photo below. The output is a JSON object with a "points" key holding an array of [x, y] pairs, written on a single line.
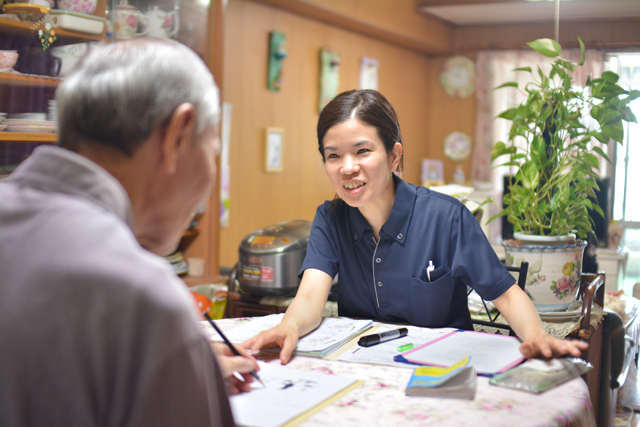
{"points": [[601, 152], [598, 209], [599, 136], [627, 115], [522, 69], [509, 114], [547, 47], [634, 94], [592, 160], [610, 76], [614, 131], [508, 84], [581, 52], [567, 64]]}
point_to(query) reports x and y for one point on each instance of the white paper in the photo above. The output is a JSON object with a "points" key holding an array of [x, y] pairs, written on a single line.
{"points": [[383, 354], [288, 394], [331, 331], [489, 353]]}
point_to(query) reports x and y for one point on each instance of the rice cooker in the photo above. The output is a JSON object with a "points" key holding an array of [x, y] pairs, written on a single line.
{"points": [[270, 259]]}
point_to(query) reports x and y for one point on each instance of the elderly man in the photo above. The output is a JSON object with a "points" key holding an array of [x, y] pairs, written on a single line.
{"points": [[95, 328]]}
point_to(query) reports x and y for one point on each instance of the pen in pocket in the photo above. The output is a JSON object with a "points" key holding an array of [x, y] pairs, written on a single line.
{"points": [[430, 268]]}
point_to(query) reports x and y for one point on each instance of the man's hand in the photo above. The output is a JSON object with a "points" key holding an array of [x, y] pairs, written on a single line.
{"points": [[229, 363]]}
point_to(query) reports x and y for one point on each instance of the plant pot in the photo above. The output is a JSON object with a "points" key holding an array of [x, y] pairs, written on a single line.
{"points": [[554, 271], [535, 240]]}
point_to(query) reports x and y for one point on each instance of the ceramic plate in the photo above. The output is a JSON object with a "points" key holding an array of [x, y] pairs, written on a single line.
{"points": [[31, 129], [575, 308], [457, 146], [2, 127]]}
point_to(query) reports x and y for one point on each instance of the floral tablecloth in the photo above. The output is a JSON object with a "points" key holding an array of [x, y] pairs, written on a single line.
{"points": [[381, 400]]}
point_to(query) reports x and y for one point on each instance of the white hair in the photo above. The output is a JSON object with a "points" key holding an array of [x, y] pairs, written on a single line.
{"points": [[121, 91]]}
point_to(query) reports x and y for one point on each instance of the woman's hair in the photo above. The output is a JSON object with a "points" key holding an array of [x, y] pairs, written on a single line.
{"points": [[369, 107], [122, 91]]}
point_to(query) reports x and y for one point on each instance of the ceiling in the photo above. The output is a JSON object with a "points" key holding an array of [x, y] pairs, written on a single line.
{"points": [[473, 12]]}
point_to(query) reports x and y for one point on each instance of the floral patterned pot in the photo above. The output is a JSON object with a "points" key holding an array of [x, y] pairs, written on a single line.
{"points": [[554, 271]]}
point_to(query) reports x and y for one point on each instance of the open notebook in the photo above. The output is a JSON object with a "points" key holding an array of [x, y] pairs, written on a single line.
{"points": [[288, 394], [332, 333]]}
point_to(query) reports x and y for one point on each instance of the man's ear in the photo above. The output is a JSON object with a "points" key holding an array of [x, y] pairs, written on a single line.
{"points": [[178, 134]]}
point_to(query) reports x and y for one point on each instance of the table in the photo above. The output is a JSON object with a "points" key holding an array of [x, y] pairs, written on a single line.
{"points": [[382, 401]]}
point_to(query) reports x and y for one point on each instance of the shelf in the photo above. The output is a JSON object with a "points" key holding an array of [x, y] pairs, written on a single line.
{"points": [[27, 27], [28, 137], [34, 80]]}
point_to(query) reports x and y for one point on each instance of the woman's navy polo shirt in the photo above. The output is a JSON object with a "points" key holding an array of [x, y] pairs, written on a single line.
{"points": [[388, 281]]}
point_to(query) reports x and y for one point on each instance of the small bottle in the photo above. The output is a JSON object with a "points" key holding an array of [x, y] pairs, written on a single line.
{"points": [[458, 176]]}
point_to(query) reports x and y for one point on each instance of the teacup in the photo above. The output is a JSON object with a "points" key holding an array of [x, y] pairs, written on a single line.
{"points": [[8, 58], [126, 22], [162, 24], [69, 55]]}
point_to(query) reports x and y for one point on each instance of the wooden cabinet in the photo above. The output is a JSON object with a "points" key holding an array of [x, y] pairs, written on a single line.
{"points": [[29, 86]]}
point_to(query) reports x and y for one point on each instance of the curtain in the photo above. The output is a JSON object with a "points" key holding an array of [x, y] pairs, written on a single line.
{"points": [[494, 68]]}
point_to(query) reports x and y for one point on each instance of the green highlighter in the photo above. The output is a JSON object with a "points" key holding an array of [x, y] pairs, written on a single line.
{"points": [[405, 347]]}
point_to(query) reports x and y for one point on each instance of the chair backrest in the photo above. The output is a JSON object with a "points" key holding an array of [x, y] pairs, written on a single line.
{"points": [[522, 273]]}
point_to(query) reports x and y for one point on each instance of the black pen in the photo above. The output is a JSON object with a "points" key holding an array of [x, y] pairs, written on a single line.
{"points": [[374, 339], [231, 346]]}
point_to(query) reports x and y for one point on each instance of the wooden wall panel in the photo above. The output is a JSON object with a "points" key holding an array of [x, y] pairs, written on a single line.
{"points": [[259, 199]]}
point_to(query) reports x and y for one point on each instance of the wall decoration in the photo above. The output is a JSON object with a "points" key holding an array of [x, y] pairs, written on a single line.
{"points": [[273, 150], [329, 76], [432, 173], [277, 53], [458, 76], [369, 73], [457, 146]]}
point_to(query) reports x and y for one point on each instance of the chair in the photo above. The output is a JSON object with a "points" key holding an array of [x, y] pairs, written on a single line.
{"points": [[522, 279]]}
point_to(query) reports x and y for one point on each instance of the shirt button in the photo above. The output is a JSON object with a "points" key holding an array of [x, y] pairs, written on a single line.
{"points": [[378, 260], [380, 284], [399, 236], [355, 237]]}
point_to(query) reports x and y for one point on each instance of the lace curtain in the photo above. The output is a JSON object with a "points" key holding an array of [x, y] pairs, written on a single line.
{"points": [[494, 68]]}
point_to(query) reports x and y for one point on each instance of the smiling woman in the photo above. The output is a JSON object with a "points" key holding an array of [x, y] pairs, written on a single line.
{"points": [[381, 236]]}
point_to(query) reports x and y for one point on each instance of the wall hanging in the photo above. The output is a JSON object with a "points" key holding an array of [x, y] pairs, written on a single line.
{"points": [[457, 146], [369, 73], [329, 76], [458, 76], [273, 149], [277, 53]]}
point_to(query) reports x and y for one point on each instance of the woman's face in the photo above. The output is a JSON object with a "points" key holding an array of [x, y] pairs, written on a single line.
{"points": [[358, 164]]}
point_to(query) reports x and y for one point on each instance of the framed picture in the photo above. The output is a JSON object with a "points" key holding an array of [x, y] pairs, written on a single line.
{"points": [[432, 173], [273, 150]]}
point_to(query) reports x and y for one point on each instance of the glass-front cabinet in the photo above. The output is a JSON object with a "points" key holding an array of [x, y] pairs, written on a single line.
{"points": [[42, 40]]}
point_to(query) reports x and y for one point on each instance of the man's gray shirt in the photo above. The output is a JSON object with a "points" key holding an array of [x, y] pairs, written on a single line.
{"points": [[94, 329]]}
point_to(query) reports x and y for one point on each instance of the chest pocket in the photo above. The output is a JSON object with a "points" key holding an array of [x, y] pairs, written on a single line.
{"points": [[431, 301]]}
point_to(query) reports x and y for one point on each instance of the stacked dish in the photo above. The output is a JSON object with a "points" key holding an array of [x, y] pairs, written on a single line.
{"points": [[29, 126], [2, 117], [574, 310], [52, 114], [178, 264]]}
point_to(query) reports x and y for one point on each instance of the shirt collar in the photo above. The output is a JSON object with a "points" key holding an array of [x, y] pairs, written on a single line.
{"points": [[398, 222], [54, 169]]}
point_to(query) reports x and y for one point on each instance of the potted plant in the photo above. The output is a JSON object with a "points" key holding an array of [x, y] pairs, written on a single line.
{"points": [[556, 169]]}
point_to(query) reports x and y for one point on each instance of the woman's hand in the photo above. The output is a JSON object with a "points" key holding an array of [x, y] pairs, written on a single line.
{"points": [[545, 345], [230, 363], [282, 336]]}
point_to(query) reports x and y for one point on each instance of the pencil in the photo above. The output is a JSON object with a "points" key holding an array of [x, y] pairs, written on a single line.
{"points": [[231, 346]]}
